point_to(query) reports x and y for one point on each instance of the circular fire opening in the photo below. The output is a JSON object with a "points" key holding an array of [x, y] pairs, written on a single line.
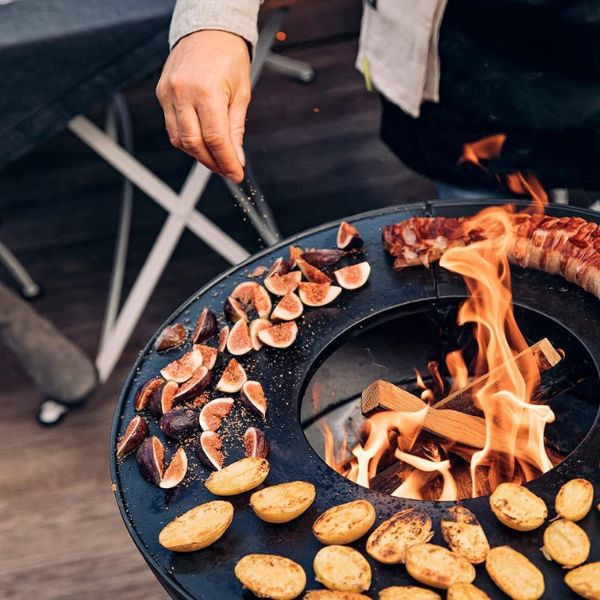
{"points": [[397, 347]]}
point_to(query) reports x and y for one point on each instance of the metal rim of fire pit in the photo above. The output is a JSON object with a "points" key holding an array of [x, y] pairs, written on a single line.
{"points": [[146, 508]]}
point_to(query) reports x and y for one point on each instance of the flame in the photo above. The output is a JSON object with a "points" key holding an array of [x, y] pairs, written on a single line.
{"points": [[455, 363]]}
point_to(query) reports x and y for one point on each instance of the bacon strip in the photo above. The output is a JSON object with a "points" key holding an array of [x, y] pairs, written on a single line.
{"points": [[569, 246]]}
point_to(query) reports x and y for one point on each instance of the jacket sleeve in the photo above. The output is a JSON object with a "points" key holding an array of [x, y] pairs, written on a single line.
{"points": [[236, 16]]}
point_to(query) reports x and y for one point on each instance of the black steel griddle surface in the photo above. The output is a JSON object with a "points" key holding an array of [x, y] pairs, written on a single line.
{"points": [[208, 574]]}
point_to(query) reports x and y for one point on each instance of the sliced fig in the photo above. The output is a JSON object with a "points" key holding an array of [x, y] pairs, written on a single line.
{"points": [[209, 355], [223, 335], [208, 450], [255, 443], [193, 386], [254, 399], [180, 423], [181, 370], [318, 294], [170, 337], [163, 399], [176, 470], [150, 458], [262, 302], [280, 285], [256, 326], [206, 326], [295, 254], [354, 276], [348, 237], [134, 435], [234, 310], [146, 391], [282, 335], [239, 342], [325, 257], [280, 267], [290, 307], [252, 296], [312, 273], [257, 271], [214, 412], [233, 378]]}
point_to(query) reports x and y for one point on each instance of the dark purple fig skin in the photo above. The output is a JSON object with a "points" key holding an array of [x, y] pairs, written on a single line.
{"points": [[145, 392], [194, 386], [206, 326], [248, 403], [155, 401], [323, 258], [281, 266], [170, 337], [147, 461], [180, 423], [256, 443], [201, 453], [133, 441]]}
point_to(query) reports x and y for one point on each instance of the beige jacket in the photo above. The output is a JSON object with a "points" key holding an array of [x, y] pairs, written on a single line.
{"points": [[398, 42]]}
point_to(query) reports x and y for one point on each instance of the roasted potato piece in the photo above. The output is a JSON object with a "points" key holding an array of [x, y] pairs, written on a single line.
{"points": [[342, 568], [333, 595], [566, 543], [407, 592], [345, 523], [574, 499], [585, 581], [514, 574], [271, 576], [389, 542], [197, 528], [238, 477], [465, 536], [284, 502], [465, 591], [518, 508], [437, 566]]}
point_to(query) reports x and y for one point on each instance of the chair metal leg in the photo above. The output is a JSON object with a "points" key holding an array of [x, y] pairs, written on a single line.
{"points": [[29, 288]]}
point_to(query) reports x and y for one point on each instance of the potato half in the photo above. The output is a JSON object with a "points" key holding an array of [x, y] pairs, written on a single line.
{"points": [[238, 477], [518, 508], [197, 528], [342, 568], [574, 499], [585, 581], [407, 592], [389, 542], [271, 576], [514, 574], [437, 566], [284, 502], [345, 523], [465, 591], [465, 536], [333, 595], [566, 543]]}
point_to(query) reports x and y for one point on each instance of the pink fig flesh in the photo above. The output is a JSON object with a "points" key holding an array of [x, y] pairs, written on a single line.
{"points": [[280, 285], [208, 450], [146, 391], [282, 335], [170, 337], [181, 370], [254, 399], [256, 326], [318, 294], [348, 237], [209, 355], [239, 341], [176, 470], [194, 386], [233, 378], [206, 326], [312, 273], [213, 413], [290, 307], [279, 267], [234, 310], [150, 457], [223, 335], [354, 276], [255, 443], [163, 398], [134, 435]]}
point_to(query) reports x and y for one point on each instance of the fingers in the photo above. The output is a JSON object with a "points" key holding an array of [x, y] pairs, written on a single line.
{"points": [[191, 136], [237, 124]]}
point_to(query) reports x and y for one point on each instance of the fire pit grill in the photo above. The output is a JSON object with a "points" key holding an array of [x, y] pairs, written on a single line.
{"points": [[285, 374]]}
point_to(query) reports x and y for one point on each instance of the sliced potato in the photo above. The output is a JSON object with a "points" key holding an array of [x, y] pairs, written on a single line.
{"points": [[238, 477], [407, 592], [465, 536], [585, 581], [345, 523], [465, 591], [389, 542], [514, 574], [342, 568], [518, 508], [574, 499], [437, 566], [271, 576], [333, 595], [566, 543], [284, 502], [197, 528]]}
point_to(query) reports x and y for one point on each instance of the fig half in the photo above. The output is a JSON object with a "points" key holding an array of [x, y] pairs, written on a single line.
{"points": [[348, 237], [234, 310], [255, 443], [206, 326], [312, 273], [134, 435], [180, 423], [146, 391], [253, 398], [279, 267], [209, 355], [163, 399], [181, 370], [239, 342], [233, 378], [256, 326], [176, 470], [290, 307], [170, 337], [318, 294], [295, 253], [280, 285], [325, 257], [223, 335], [193, 386], [214, 412], [282, 335], [252, 296], [354, 276], [208, 450], [150, 458]]}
